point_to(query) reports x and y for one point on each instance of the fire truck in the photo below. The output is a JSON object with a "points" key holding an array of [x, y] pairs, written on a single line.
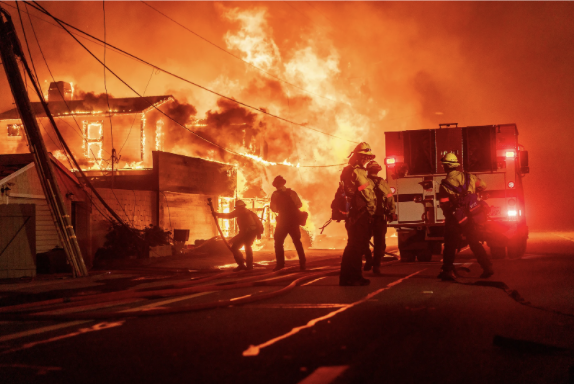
{"points": [[414, 173]]}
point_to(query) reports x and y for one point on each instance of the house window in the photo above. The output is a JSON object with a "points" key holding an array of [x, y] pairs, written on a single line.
{"points": [[159, 134], [92, 133], [15, 130]]}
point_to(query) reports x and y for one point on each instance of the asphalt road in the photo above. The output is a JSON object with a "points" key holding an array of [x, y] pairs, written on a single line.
{"points": [[406, 327]]}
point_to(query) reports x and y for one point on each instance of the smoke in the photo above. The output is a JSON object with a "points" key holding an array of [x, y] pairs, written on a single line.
{"points": [[355, 71]]}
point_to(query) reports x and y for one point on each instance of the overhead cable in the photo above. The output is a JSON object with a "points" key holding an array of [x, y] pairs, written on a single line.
{"points": [[150, 103], [259, 110], [241, 59]]}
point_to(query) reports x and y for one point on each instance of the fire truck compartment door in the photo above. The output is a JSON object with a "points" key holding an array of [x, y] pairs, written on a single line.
{"points": [[495, 193], [409, 185], [447, 141], [407, 209]]}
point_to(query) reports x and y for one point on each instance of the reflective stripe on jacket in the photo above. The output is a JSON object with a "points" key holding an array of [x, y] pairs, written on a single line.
{"points": [[359, 187]]}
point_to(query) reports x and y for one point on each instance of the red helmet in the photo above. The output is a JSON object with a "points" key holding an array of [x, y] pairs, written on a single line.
{"points": [[373, 166]]}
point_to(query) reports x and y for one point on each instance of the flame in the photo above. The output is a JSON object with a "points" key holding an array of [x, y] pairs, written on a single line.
{"points": [[133, 165], [253, 37], [262, 161], [159, 126]]}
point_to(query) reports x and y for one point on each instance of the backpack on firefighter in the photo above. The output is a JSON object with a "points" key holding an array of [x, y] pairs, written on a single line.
{"points": [[258, 223], [340, 205], [465, 205]]}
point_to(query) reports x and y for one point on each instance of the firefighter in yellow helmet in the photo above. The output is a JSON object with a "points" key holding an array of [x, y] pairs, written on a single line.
{"points": [[385, 211], [454, 188], [360, 190]]}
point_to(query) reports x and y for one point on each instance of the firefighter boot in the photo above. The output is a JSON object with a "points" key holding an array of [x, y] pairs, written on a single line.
{"points": [[368, 265], [278, 267], [487, 273], [239, 268], [447, 276]]}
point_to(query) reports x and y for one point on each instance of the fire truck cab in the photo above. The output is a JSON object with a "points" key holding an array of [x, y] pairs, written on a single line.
{"points": [[414, 173]]}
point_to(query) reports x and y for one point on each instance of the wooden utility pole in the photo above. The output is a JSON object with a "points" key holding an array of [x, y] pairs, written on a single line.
{"points": [[10, 48]]}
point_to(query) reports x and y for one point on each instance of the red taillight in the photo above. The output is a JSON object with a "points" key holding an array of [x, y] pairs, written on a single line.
{"points": [[390, 161], [512, 213], [392, 189], [510, 154], [511, 184]]}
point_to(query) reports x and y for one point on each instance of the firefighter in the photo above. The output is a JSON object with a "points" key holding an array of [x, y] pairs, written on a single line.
{"points": [[385, 210], [360, 190], [449, 202], [249, 230], [286, 203]]}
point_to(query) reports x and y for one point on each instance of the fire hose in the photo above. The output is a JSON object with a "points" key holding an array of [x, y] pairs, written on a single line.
{"points": [[29, 311], [160, 311], [218, 225]]}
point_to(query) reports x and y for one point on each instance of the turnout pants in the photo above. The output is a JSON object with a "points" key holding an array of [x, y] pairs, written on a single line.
{"points": [[243, 239], [378, 230], [359, 233], [452, 237], [283, 229]]}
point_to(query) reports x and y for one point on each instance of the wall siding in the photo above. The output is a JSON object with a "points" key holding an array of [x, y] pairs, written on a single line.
{"points": [[17, 241], [186, 211]]}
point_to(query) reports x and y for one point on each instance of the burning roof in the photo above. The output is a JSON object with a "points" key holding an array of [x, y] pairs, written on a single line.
{"points": [[93, 105]]}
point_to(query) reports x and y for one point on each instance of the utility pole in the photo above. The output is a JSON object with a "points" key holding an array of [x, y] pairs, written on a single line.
{"points": [[10, 48]]}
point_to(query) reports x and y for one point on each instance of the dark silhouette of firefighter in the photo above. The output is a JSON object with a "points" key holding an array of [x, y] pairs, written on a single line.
{"points": [[464, 216], [250, 227], [286, 203], [385, 211], [360, 190]]}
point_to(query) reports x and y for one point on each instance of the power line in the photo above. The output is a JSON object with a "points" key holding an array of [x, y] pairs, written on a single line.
{"points": [[133, 120], [151, 104], [113, 156], [259, 110], [36, 76], [241, 59]]}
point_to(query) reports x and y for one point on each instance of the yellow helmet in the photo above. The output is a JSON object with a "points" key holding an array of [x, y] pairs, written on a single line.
{"points": [[363, 149], [450, 160]]}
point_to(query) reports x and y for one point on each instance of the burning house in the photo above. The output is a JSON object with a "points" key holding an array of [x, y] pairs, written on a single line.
{"points": [[123, 145], [93, 125], [147, 187]]}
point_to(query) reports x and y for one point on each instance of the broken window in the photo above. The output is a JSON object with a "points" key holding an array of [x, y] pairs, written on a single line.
{"points": [[93, 136], [15, 130]]}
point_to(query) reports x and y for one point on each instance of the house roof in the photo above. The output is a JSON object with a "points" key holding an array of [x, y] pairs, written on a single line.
{"points": [[12, 163], [92, 106]]}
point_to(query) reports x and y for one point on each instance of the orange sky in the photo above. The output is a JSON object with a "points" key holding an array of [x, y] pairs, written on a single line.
{"points": [[388, 66]]}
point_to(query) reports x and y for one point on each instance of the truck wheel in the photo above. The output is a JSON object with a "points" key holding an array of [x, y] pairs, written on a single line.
{"points": [[425, 255], [516, 248], [407, 256], [498, 252]]}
